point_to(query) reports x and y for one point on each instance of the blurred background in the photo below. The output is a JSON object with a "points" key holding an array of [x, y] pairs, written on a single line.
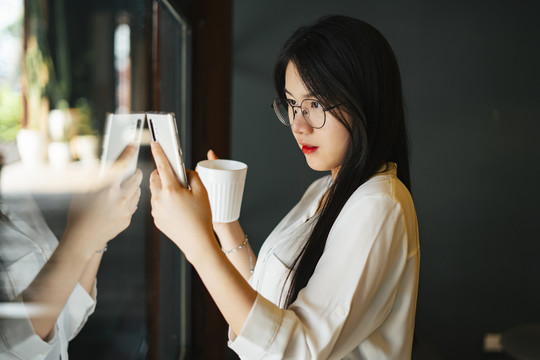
{"points": [[471, 81]]}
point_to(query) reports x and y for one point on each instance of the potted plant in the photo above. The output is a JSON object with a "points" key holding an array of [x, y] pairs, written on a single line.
{"points": [[85, 142], [10, 113], [32, 137], [71, 121], [10, 96]]}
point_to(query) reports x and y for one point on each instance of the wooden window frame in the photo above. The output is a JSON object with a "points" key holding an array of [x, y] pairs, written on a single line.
{"points": [[211, 84]]}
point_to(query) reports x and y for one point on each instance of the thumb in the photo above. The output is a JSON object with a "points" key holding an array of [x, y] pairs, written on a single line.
{"points": [[195, 181], [211, 155]]}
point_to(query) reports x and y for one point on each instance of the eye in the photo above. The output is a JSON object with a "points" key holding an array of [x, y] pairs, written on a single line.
{"points": [[316, 105], [291, 102]]}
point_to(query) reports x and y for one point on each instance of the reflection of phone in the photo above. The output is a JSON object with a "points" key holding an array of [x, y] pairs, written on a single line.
{"points": [[121, 130], [164, 131]]}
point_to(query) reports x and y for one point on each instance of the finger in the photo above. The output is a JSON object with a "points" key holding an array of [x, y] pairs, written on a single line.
{"points": [[195, 181], [128, 153], [211, 155], [155, 182], [134, 201], [125, 157], [166, 173], [118, 170], [132, 182]]}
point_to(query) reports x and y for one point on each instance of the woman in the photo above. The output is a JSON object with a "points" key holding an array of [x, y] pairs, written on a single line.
{"points": [[338, 277], [48, 288]]}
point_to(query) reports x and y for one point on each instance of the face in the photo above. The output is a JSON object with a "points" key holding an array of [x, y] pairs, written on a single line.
{"points": [[323, 148]]}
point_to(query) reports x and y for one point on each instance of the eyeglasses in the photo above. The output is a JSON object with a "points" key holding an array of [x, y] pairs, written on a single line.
{"points": [[312, 111]]}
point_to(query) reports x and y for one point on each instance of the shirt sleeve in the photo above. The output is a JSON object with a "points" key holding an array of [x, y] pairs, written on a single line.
{"points": [[17, 335], [80, 306], [349, 295]]}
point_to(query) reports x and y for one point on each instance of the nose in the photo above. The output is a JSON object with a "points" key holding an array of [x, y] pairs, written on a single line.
{"points": [[299, 124]]}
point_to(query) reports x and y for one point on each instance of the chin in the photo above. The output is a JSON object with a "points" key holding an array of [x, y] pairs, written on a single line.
{"points": [[317, 166]]}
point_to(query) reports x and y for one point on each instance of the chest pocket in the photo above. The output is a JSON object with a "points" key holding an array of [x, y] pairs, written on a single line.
{"points": [[16, 276], [276, 275]]}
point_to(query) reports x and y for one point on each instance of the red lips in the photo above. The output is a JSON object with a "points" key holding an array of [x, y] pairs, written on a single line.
{"points": [[306, 149]]}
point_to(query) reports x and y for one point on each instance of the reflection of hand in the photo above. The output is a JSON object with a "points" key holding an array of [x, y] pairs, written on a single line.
{"points": [[97, 216], [181, 214]]}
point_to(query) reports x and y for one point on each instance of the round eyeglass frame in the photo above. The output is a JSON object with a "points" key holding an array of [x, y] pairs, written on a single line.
{"points": [[287, 122]]}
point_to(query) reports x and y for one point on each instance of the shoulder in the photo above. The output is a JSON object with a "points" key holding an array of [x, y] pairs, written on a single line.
{"points": [[380, 199], [381, 208], [383, 187]]}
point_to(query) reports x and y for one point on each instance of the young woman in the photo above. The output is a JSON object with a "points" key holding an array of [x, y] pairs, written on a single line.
{"points": [[48, 288], [338, 277]]}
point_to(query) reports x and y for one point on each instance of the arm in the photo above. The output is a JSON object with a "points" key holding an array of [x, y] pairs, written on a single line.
{"points": [[229, 289], [88, 277], [53, 285], [185, 217], [94, 219], [230, 236]]}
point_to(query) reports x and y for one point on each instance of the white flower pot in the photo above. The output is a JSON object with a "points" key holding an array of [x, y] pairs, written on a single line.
{"points": [[59, 153], [59, 123], [85, 147], [32, 146]]}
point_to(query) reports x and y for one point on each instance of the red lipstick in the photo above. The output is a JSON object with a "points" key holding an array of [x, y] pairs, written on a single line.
{"points": [[306, 149]]}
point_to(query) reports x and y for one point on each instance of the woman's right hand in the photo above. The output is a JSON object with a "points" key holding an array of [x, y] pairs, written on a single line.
{"points": [[98, 215]]}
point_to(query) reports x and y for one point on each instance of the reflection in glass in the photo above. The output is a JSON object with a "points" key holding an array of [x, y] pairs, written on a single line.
{"points": [[122, 64], [11, 13]]}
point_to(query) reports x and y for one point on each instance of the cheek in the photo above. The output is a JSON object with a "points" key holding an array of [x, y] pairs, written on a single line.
{"points": [[344, 143], [339, 138], [340, 148]]}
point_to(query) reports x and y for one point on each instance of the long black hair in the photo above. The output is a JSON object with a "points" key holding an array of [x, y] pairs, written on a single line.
{"points": [[343, 60]]}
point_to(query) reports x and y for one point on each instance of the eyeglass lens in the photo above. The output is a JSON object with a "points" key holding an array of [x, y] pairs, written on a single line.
{"points": [[312, 111]]}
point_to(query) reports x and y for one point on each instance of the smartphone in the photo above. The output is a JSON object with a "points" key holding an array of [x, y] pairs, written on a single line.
{"points": [[121, 130], [163, 130]]}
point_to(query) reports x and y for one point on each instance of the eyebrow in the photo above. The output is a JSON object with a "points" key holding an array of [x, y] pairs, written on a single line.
{"points": [[306, 96]]}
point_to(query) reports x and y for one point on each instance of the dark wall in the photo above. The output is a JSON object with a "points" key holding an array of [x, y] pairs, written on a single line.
{"points": [[471, 80]]}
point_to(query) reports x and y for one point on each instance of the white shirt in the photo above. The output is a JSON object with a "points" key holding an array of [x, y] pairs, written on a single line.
{"points": [[26, 243], [360, 302]]}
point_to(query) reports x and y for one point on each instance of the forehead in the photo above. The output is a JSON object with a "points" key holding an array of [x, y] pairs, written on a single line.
{"points": [[294, 85]]}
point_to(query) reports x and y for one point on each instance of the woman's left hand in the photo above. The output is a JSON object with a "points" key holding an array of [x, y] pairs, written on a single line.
{"points": [[183, 215]]}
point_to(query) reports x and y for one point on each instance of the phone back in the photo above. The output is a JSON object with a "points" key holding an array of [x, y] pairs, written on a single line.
{"points": [[164, 131], [120, 131]]}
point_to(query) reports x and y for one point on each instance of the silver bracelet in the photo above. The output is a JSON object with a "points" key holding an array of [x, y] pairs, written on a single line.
{"points": [[102, 250], [239, 247], [251, 267]]}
